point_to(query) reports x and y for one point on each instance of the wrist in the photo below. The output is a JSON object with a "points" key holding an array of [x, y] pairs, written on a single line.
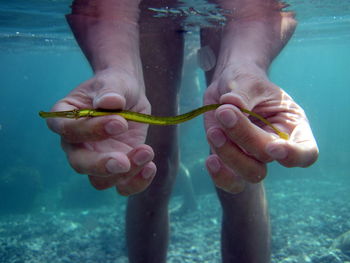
{"points": [[106, 43], [240, 69], [241, 84], [255, 40], [119, 78], [107, 32]]}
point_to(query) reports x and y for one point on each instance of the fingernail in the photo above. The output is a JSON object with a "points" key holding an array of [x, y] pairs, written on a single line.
{"points": [[97, 100], [213, 165], [227, 118], [114, 167], [277, 151], [141, 157], [110, 100], [108, 94], [217, 137], [114, 127], [147, 173]]}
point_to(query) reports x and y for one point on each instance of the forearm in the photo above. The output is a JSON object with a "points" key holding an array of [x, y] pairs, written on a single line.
{"points": [[256, 31], [107, 32]]}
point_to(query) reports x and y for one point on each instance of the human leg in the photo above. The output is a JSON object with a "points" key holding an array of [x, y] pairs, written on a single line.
{"points": [[254, 34], [147, 213], [245, 234]]}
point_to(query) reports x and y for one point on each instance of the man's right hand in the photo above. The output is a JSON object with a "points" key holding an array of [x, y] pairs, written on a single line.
{"points": [[109, 149]]}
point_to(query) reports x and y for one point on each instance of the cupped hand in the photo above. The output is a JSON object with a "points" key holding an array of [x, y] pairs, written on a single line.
{"points": [[109, 149], [241, 145]]}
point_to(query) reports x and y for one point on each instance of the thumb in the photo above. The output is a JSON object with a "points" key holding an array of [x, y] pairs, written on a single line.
{"points": [[235, 99], [109, 100]]}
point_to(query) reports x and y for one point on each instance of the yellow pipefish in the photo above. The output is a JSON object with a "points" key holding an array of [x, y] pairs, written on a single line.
{"points": [[150, 119]]}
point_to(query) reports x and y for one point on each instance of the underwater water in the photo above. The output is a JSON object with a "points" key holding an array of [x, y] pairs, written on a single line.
{"points": [[49, 213]]}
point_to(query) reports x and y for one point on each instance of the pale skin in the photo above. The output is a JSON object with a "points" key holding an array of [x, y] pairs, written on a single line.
{"points": [[113, 151], [240, 79]]}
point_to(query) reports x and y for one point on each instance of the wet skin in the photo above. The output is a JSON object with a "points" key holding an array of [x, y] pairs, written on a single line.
{"points": [[113, 151]]}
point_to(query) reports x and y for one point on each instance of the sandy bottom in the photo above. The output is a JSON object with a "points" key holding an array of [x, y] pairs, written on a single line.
{"points": [[305, 220]]}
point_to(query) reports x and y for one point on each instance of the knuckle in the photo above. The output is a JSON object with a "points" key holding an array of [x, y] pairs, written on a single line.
{"points": [[68, 133], [125, 188], [245, 138], [122, 191], [264, 158], [98, 183], [255, 174], [75, 164], [241, 132]]}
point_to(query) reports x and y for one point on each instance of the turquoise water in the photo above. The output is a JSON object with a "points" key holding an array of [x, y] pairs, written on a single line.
{"points": [[40, 63]]}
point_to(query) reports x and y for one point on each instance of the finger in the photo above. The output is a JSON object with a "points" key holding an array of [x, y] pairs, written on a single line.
{"points": [[223, 177], [86, 129], [106, 99], [139, 182], [300, 150], [243, 132], [89, 129], [241, 164], [98, 92], [139, 158], [85, 160], [133, 182]]}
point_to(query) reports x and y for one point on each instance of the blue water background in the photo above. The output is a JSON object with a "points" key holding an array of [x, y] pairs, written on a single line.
{"points": [[38, 68]]}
